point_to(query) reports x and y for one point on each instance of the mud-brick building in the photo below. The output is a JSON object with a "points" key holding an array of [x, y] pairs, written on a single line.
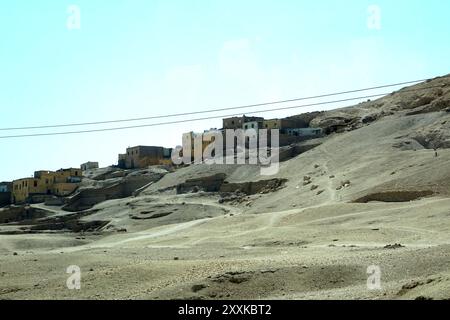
{"points": [[5, 193], [303, 132], [143, 156], [60, 183], [89, 166], [24, 188], [238, 122], [284, 123], [66, 181]]}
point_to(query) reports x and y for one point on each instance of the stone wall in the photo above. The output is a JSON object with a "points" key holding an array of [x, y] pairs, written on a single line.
{"points": [[87, 198]]}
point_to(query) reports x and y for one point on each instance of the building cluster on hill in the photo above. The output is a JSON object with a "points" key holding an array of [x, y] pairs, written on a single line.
{"points": [[64, 182], [290, 130], [43, 183]]}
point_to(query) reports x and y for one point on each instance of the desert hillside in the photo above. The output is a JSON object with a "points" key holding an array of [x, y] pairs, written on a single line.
{"points": [[374, 192]]}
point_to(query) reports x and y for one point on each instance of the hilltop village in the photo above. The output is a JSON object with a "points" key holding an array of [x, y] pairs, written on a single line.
{"points": [[46, 185]]}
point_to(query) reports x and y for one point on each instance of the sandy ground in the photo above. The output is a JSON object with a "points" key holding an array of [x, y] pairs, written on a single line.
{"points": [[304, 241], [321, 252]]}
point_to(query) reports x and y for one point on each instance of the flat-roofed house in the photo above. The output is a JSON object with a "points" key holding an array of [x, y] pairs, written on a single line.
{"points": [[140, 157], [60, 183], [89, 166]]}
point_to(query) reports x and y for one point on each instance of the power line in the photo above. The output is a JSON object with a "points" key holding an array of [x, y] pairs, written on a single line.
{"points": [[204, 118], [210, 110]]}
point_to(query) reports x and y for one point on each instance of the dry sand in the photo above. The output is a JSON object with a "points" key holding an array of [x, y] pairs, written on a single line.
{"points": [[294, 243]]}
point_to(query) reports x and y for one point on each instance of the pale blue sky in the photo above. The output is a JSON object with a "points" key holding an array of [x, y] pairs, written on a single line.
{"points": [[142, 58]]}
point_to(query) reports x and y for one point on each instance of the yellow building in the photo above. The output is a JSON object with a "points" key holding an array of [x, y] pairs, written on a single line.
{"points": [[68, 175], [144, 156], [24, 188], [60, 183], [63, 189]]}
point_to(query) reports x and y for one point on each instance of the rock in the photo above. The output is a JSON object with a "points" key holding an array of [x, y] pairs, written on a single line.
{"points": [[332, 177], [316, 166], [269, 270], [423, 298], [393, 246], [238, 279], [176, 258], [320, 192], [197, 287], [314, 187], [14, 253], [334, 122], [306, 178], [307, 182]]}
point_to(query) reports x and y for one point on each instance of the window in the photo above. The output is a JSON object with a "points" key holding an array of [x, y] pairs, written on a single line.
{"points": [[46, 181], [76, 173], [253, 125], [35, 183]]}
